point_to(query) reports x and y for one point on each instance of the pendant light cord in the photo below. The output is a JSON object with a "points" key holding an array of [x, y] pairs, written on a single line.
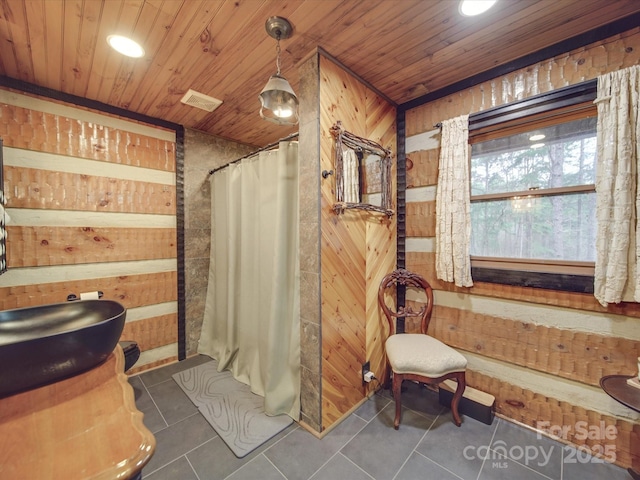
{"points": [[278, 51]]}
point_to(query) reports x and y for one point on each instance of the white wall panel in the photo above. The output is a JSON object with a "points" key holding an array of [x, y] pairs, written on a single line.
{"points": [[17, 157], [423, 141], [421, 194], [575, 393], [29, 276], [150, 311], [27, 217], [155, 354], [544, 315]]}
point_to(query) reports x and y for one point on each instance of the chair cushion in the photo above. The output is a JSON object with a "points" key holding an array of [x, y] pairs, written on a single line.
{"points": [[422, 355]]}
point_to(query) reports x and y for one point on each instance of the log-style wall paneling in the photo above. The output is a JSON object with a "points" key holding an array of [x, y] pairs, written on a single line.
{"points": [[357, 248], [130, 290], [93, 203], [38, 246], [581, 356], [567, 338], [152, 332], [50, 133], [424, 264], [138, 368], [547, 413], [421, 219], [422, 168], [35, 188]]}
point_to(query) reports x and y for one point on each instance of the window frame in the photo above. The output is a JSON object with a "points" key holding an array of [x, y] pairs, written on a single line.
{"points": [[566, 104]]}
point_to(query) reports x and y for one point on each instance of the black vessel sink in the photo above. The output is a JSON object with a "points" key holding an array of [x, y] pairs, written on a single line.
{"points": [[41, 345]]}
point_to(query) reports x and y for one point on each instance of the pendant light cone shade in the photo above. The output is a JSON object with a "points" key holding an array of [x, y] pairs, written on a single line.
{"points": [[279, 103]]}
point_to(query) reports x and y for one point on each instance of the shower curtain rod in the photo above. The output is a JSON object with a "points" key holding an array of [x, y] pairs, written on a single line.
{"points": [[267, 147]]}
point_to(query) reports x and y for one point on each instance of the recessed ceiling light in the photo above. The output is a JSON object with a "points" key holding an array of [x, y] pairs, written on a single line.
{"points": [[537, 145], [125, 46], [470, 8], [536, 137]]}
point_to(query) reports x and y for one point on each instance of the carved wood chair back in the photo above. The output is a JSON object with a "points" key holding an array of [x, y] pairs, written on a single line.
{"points": [[417, 357], [411, 280]]}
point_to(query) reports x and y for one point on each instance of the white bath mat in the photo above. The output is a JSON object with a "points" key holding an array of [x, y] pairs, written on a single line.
{"points": [[235, 413]]}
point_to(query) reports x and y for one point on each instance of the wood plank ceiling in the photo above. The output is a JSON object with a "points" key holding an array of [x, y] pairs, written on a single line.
{"points": [[403, 48]]}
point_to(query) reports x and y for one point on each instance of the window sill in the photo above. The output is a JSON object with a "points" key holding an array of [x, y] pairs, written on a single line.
{"points": [[546, 280]]}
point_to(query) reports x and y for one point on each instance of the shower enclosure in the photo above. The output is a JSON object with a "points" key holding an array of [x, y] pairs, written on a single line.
{"points": [[251, 322]]}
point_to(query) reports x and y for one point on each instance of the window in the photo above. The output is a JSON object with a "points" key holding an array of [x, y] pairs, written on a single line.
{"points": [[533, 192]]}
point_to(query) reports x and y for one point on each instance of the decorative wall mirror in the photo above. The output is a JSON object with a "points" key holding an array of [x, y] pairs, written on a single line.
{"points": [[363, 173]]}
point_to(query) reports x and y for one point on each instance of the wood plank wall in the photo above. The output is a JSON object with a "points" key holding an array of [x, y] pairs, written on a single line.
{"points": [[92, 203], [540, 352], [357, 248]]}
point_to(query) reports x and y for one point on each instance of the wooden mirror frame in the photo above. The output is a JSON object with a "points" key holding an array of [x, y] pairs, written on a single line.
{"points": [[350, 140]]}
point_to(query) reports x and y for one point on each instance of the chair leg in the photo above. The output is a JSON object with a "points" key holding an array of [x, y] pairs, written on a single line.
{"points": [[462, 383], [397, 393]]}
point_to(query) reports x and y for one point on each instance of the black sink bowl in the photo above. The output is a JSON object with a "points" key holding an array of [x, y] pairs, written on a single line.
{"points": [[41, 345]]}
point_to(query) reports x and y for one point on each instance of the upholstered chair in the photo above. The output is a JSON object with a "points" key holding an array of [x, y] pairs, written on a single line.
{"points": [[417, 356]]}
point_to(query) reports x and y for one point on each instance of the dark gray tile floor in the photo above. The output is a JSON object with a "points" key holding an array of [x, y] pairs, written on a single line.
{"points": [[363, 447]]}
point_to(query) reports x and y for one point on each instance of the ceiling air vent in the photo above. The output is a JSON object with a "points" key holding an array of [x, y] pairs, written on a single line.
{"points": [[201, 101]]}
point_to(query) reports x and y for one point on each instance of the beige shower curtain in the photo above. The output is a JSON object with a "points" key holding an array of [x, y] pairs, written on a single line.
{"points": [[252, 314]]}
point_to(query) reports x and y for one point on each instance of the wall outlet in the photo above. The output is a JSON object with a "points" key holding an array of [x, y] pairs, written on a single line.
{"points": [[366, 366]]}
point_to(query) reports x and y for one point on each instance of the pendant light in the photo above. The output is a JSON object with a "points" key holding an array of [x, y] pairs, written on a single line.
{"points": [[279, 103]]}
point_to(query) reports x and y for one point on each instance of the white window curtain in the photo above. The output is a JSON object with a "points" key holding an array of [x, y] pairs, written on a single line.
{"points": [[453, 220], [617, 201]]}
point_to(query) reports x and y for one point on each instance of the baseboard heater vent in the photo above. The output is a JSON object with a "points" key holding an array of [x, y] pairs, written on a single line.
{"points": [[474, 403]]}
